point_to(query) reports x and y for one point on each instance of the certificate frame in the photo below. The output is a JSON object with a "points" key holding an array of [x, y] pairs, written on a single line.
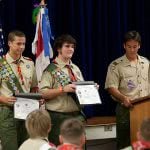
{"points": [[87, 93], [23, 106]]}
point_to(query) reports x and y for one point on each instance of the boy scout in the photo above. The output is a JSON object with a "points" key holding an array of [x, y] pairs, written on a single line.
{"points": [[143, 137], [72, 135], [127, 79], [57, 88], [17, 74]]}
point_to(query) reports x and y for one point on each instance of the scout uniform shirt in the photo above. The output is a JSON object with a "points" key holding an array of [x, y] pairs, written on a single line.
{"points": [[38, 143], [25, 74], [55, 79], [130, 79]]}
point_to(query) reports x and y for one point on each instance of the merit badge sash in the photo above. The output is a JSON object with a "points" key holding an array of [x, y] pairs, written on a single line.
{"points": [[61, 77], [9, 76]]}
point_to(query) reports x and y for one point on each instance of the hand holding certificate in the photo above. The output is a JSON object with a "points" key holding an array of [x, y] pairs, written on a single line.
{"points": [[87, 93]]}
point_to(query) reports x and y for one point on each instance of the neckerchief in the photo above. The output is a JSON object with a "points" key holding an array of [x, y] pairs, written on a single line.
{"points": [[68, 147], [141, 145]]}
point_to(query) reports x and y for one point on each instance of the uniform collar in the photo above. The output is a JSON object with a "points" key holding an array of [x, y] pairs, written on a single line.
{"points": [[126, 61], [11, 60], [69, 146], [61, 63]]}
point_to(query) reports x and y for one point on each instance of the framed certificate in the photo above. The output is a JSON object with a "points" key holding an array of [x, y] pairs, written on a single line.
{"points": [[23, 106], [87, 93]]}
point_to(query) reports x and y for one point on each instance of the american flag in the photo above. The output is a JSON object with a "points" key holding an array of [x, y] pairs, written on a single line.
{"points": [[1, 41]]}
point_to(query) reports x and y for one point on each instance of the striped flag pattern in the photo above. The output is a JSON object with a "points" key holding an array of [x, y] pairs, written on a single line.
{"points": [[41, 46]]}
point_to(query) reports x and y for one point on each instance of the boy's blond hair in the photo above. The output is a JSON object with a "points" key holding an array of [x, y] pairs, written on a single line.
{"points": [[38, 123]]}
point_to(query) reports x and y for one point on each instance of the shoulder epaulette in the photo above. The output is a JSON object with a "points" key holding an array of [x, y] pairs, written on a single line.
{"points": [[27, 58], [144, 58], [116, 62], [51, 67]]}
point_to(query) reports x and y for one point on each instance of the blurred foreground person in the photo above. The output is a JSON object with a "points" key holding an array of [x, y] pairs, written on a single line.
{"points": [[38, 124], [72, 135]]}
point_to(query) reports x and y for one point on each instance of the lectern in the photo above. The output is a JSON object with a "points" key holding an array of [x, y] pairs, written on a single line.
{"points": [[140, 111]]}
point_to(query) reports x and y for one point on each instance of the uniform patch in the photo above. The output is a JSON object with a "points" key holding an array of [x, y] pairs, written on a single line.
{"points": [[131, 85], [27, 58], [115, 63], [27, 66]]}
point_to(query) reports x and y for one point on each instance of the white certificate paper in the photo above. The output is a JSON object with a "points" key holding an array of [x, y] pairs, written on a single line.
{"points": [[88, 94], [24, 106]]}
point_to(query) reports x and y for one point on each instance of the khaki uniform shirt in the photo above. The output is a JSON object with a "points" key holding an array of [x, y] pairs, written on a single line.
{"points": [[65, 102], [132, 80], [35, 144], [27, 71]]}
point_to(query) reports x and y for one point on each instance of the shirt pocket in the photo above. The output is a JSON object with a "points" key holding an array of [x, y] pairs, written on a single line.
{"points": [[144, 75], [129, 82], [27, 75]]}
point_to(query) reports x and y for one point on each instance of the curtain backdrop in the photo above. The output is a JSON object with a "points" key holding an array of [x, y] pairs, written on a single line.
{"points": [[97, 25]]}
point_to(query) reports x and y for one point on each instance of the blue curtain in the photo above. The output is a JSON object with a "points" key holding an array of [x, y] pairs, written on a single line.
{"points": [[97, 25]]}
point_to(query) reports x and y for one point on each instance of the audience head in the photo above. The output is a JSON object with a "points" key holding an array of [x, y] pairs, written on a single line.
{"points": [[72, 131], [144, 132], [38, 124]]}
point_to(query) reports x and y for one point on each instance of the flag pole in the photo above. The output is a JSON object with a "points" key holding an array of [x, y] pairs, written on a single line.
{"points": [[41, 46]]}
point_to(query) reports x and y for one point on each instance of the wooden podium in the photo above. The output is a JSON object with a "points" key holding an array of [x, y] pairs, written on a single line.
{"points": [[140, 111]]}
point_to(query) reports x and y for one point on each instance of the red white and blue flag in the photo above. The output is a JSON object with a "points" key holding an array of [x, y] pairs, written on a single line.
{"points": [[41, 46]]}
